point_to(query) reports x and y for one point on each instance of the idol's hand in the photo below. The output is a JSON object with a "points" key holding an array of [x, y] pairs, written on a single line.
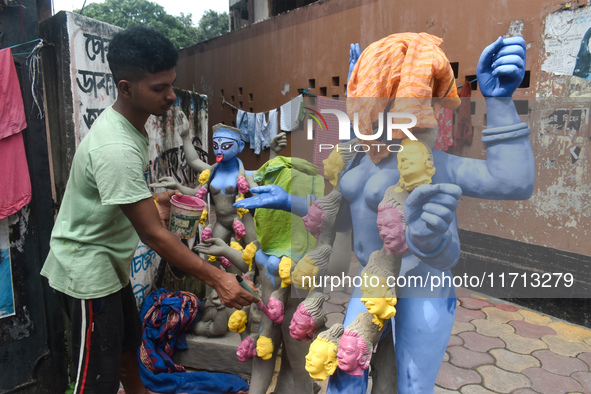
{"points": [[501, 67], [429, 211], [268, 196]]}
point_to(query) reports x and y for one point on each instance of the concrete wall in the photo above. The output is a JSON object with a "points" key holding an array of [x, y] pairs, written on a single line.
{"points": [[261, 67], [78, 87]]}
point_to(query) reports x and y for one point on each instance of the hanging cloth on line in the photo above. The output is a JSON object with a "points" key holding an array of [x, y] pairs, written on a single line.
{"points": [[14, 176], [264, 131], [290, 114], [245, 122]]}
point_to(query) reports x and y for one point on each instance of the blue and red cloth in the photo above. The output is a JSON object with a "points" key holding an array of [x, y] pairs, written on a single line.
{"points": [[166, 318]]}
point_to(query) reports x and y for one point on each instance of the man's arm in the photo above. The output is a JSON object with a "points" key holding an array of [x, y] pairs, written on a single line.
{"points": [[143, 215]]}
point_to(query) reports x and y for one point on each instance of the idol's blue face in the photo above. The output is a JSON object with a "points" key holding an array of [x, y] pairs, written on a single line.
{"points": [[225, 149]]}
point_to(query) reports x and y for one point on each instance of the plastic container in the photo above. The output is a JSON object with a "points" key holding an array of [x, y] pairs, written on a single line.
{"points": [[185, 212]]}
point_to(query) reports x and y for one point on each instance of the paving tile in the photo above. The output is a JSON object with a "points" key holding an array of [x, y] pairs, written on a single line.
{"points": [[480, 343], [586, 357], [584, 379], [455, 340], [534, 317], [332, 318], [565, 347], [474, 303], [461, 292], [461, 327], [475, 389], [522, 345], [441, 390], [507, 307], [465, 315], [570, 332], [332, 308], [500, 316], [559, 364], [466, 358], [530, 330], [500, 381], [446, 357], [453, 378], [491, 328], [524, 391], [545, 382], [513, 362], [338, 298]]}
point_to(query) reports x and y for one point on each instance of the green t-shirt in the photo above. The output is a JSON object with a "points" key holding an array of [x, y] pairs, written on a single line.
{"points": [[93, 242]]}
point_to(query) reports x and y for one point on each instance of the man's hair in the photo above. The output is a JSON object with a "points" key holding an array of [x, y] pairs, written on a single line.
{"points": [[138, 50]]}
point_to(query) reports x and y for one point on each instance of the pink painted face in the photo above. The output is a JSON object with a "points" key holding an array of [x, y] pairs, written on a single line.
{"points": [[349, 355], [313, 220], [391, 228], [246, 349], [301, 326], [275, 310]]}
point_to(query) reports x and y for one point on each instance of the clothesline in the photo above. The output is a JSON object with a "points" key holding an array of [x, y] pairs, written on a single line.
{"points": [[25, 43], [40, 43]]}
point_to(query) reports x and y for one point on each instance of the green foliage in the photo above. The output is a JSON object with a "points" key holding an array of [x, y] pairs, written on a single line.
{"points": [[72, 385], [179, 29], [212, 24]]}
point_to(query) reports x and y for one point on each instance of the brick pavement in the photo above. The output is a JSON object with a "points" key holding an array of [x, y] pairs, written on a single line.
{"points": [[499, 347]]}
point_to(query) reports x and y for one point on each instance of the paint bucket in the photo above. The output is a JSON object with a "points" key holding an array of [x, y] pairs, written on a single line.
{"points": [[185, 212]]}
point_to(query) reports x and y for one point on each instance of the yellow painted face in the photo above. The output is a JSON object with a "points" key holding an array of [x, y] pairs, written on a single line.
{"points": [[412, 162], [237, 321], [264, 348], [321, 359], [304, 273], [377, 297], [285, 271]]}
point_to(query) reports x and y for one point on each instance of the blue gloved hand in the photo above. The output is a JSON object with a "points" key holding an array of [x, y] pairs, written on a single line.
{"points": [[501, 67], [354, 54], [269, 196], [429, 210]]}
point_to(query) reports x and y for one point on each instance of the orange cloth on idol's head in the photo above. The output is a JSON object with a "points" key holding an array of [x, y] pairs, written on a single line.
{"points": [[408, 66]]}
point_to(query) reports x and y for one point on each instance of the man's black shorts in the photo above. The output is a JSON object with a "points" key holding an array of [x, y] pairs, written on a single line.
{"points": [[100, 330]]}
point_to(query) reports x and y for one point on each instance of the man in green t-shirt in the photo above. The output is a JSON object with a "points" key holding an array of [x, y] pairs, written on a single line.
{"points": [[107, 208]]}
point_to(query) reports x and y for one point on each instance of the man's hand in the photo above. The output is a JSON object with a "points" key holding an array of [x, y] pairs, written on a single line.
{"points": [[279, 142], [182, 124], [232, 294], [212, 246], [501, 67], [270, 196], [429, 210]]}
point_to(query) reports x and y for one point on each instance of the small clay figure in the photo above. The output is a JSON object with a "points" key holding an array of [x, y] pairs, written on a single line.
{"points": [[213, 319]]}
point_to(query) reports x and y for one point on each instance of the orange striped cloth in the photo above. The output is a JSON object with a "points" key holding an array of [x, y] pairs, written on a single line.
{"points": [[408, 66]]}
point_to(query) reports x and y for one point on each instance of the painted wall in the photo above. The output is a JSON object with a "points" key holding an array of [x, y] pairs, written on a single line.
{"points": [[85, 41], [261, 67]]}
